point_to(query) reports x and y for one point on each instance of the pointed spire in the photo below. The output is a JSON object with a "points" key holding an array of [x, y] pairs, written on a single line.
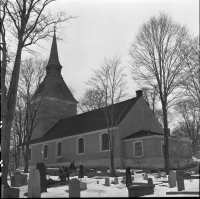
{"points": [[53, 58]]}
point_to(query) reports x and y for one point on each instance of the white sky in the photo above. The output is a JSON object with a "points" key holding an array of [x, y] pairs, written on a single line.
{"points": [[104, 28]]}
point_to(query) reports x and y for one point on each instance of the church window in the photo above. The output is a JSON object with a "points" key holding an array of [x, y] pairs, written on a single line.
{"points": [[59, 149], [45, 151], [138, 149], [105, 142], [80, 145]]}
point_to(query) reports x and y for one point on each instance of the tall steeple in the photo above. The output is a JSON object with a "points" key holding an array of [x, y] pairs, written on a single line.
{"points": [[53, 67]]}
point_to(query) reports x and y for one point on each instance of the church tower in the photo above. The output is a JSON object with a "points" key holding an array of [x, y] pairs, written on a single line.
{"points": [[53, 99]]}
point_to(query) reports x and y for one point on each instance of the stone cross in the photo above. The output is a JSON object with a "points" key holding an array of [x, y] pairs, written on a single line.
{"points": [[74, 188], [34, 190], [107, 182]]}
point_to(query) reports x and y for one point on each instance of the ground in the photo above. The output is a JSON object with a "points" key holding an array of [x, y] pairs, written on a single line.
{"points": [[96, 188]]}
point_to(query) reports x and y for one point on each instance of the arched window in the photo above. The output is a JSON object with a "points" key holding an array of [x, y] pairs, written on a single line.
{"points": [[45, 151], [59, 149], [105, 142], [80, 145], [138, 149]]}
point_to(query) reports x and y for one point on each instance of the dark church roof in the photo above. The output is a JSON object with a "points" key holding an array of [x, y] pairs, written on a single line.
{"points": [[141, 133], [86, 122], [53, 84]]}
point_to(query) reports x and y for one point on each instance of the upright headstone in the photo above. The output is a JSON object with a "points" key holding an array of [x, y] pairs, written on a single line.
{"points": [[81, 172], [43, 180], [107, 182], [128, 177], [17, 179], [83, 186], [34, 190], [159, 174], [74, 188], [150, 181], [180, 180], [172, 179], [11, 193], [164, 175], [145, 176], [124, 179], [116, 181], [24, 179]]}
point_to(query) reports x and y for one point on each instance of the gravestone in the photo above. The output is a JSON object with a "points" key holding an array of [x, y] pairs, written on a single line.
{"points": [[81, 172], [11, 193], [74, 188], [107, 182], [140, 190], [2, 191], [159, 174], [124, 179], [17, 179], [34, 189], [172, 179], [150, 181], [164, 175], [128, 177], [116, 181], [180, 180], [83, 186], [43, 180], [132, 178], [72, 167], [145, 176]]}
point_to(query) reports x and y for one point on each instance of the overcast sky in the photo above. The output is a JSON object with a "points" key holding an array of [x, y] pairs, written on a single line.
{"points": [[104, 28]]}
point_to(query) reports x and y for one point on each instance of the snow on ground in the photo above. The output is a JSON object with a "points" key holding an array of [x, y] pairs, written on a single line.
{"points": [[96, 188]]}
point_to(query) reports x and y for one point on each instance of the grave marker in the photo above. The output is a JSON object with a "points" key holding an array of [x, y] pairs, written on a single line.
{"points": [[81, 172], [180, 180], [17, 179], [107, 182], [83, 186], [34, 189], [11, 193], [43, 181], [128, 177], [172, 179], [146, 176], [74, 188], [159, 174], [116, 181], [124, 179]]}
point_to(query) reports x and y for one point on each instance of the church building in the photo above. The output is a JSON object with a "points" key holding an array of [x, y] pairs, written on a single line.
{"points": [[62, 136]]}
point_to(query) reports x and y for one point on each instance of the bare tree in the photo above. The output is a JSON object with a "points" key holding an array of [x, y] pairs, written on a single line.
{"points": [[27, 111], [23, 23], [109, 81], [189, 125], [157, 55], [92, 99]]}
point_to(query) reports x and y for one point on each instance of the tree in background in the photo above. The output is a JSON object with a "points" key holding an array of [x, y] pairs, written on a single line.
{"points": [[27, 110], [23, 23], [92, 99], [109, 82], [158, 62]]}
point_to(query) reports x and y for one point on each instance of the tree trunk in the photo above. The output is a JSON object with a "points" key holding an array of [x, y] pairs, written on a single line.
{"points": [[166, 139], [112, 162], [8, 105], [26, 161]]}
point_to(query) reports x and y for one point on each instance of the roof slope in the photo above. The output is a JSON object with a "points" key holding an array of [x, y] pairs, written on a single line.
{"points": [[54, 87], [86, 122], [141, 133]]}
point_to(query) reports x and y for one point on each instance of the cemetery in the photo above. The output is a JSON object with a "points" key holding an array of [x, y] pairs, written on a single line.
{"points": [[127, 183]]}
